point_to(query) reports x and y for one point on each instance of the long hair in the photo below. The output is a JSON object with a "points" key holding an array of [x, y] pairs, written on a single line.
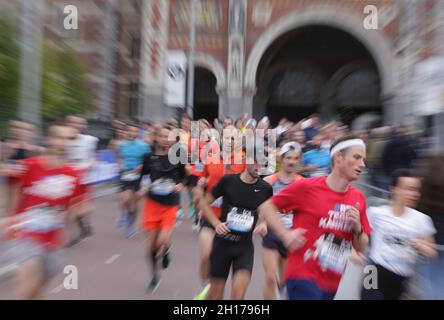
{"points": [[432, 194]]}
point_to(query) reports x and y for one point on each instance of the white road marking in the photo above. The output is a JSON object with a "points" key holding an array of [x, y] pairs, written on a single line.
{"points": [[112, 259], [57, 289]]}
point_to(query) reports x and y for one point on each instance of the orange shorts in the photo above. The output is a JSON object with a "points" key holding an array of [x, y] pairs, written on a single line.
{"points": [[157, 216]]}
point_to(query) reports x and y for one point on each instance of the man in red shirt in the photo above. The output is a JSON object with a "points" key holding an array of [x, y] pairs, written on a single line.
{"points": [[49, 188], [329, 220]]}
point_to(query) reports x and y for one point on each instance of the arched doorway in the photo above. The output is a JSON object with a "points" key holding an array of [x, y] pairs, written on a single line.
{"points": [[317, 69], [206, 99]]}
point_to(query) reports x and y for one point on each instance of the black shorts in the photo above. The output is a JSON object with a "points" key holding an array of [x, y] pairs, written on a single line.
{"points": [[391, 286], [275, 244], [129, 185], [191, 181], [226, 255], [205, 224]]}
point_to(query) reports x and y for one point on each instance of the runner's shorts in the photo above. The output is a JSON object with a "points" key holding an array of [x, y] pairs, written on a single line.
{"points": [[157, 216], [272, 243], [204, 222], [226, 254], [19, 251]]}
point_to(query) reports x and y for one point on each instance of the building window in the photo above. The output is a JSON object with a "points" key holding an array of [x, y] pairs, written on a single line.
{"points": [[133, 99]]}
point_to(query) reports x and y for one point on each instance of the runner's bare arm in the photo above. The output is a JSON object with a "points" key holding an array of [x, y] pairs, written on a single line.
{"points": [[208, 213], [268, 212], [261, 227], [426, 246], [360, 239], [293, 239]]}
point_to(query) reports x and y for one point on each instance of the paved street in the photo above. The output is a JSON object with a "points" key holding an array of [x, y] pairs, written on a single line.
{"points": [[112, 267]]}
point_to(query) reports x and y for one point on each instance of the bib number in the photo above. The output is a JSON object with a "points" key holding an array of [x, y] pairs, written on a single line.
{"points": [[130, 176], [162, 187], [334, 253], [199, 167], [41, 219], [240, 220], [286, 220]]}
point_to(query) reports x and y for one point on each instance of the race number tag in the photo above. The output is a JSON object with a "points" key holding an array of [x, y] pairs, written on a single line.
{"points": [[286, 220], [320, 172], [217, 203], [162, 187], [130, 176], [240, 220], [199, 167], [41, 219], [334, 253]]}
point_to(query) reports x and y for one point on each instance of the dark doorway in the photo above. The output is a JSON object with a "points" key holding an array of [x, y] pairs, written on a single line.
{"points": [[206, 100]]}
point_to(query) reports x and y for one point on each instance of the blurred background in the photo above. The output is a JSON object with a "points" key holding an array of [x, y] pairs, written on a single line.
{"points": [[312, 67], [286, 58]]}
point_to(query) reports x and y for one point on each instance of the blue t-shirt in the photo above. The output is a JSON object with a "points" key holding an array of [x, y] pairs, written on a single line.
{"points": [[320, 159], [132, 153]]}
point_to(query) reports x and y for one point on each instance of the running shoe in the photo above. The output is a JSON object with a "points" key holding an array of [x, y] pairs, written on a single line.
{"points": [[166, 259], [130, 231], [153, 285]]}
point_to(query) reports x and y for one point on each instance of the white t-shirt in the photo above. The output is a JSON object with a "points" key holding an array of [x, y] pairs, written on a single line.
{"points": [[391, 236], [82, 150]]}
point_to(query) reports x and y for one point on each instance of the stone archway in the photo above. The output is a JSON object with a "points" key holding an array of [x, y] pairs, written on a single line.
{"points": [[373, 42], [210, 63]]}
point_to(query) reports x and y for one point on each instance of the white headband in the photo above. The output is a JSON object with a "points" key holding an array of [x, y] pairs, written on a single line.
{"points": [[346, 144], [290, 146]]}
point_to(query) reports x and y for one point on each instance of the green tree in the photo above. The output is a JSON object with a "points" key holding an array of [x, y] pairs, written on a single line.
{"points": [[9, 70], [64, 90]]}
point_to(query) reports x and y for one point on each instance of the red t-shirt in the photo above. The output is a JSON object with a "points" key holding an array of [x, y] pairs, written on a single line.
{"points": [[321, 211], [45, 195]]}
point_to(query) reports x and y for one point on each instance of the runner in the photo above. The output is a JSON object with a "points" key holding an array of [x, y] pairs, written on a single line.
{"points": [[186, 196], [19, 146], [329, 219], [131, 153], [400, 235], [316, 162], [162, 203], [212, 173], [274, 253], [49, 188], [233, 243], [82, 154]]}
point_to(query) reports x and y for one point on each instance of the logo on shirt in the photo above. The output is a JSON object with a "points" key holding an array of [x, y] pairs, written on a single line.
{"points": [[337, 219], [53, 187]]}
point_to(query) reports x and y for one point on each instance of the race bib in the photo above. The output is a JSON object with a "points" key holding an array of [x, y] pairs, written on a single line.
{"points": [[130, 176], [334, 253], [286, 220], [41, 219], [162, 187], [240, 220], [320, 172], [217, 203], [199, 167]]}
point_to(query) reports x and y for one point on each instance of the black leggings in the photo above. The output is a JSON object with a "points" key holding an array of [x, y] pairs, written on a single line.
{"points": [[390, 286]]}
